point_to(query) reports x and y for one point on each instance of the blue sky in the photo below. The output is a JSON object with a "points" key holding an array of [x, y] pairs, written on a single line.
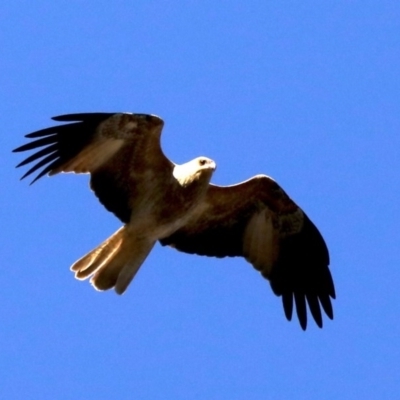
{"points": [[306, 92]]}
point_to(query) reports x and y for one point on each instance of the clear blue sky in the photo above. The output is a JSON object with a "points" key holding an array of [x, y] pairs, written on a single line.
{"points": [[307, 92]]}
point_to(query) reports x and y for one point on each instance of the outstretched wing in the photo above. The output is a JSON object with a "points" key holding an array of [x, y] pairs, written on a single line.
{"points": [[114, 148], [257, 220]]}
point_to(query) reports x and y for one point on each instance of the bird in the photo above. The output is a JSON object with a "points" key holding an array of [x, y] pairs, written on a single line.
{"points": [[159, 201]]}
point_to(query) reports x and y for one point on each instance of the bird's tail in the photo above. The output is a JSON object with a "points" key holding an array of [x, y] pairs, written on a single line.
{"points": [[115, 262]]}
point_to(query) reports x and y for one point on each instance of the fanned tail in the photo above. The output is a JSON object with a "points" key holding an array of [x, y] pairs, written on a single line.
{"points": [[115, 262]]}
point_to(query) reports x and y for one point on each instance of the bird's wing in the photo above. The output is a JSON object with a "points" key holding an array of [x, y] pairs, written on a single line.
{"points": [[113, 147], [257, 220]]}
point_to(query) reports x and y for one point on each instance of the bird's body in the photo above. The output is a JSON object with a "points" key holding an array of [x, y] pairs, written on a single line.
{"points": [[157, 200]]}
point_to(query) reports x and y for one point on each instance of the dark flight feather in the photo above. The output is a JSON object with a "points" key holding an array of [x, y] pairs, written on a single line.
{"points": [[300, 271], [65, 141]]}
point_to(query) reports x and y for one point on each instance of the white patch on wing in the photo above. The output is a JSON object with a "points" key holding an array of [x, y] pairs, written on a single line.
{"points": [[131, 125], [260, 242], [91, 157]]}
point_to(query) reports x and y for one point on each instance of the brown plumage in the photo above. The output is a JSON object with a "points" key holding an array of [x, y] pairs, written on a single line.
{"points": [[176, 205]]}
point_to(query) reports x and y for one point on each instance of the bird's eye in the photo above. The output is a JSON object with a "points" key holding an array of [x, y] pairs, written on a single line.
{"points": [[202, 161]]}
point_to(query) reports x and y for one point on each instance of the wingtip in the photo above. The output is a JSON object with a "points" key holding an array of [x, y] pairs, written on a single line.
{"points": [[24, 176], [330, 315], [303, 324], [119, 291], [33, 181], [58, 118], [287, 301], [80, 117], [30, 183], [67, 117], [18, 149]]}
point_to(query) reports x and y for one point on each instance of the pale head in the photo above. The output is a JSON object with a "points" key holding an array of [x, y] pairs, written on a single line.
{"points": [[198, 169]]}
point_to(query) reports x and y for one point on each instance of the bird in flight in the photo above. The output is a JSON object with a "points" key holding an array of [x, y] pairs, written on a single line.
{"points": [[176, 205]]}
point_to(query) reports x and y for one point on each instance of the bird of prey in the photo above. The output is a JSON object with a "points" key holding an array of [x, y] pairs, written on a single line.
{"points": [[176, 205]]}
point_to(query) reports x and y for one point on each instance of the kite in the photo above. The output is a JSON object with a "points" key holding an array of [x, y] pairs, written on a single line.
{"points": [[176, 205]]}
